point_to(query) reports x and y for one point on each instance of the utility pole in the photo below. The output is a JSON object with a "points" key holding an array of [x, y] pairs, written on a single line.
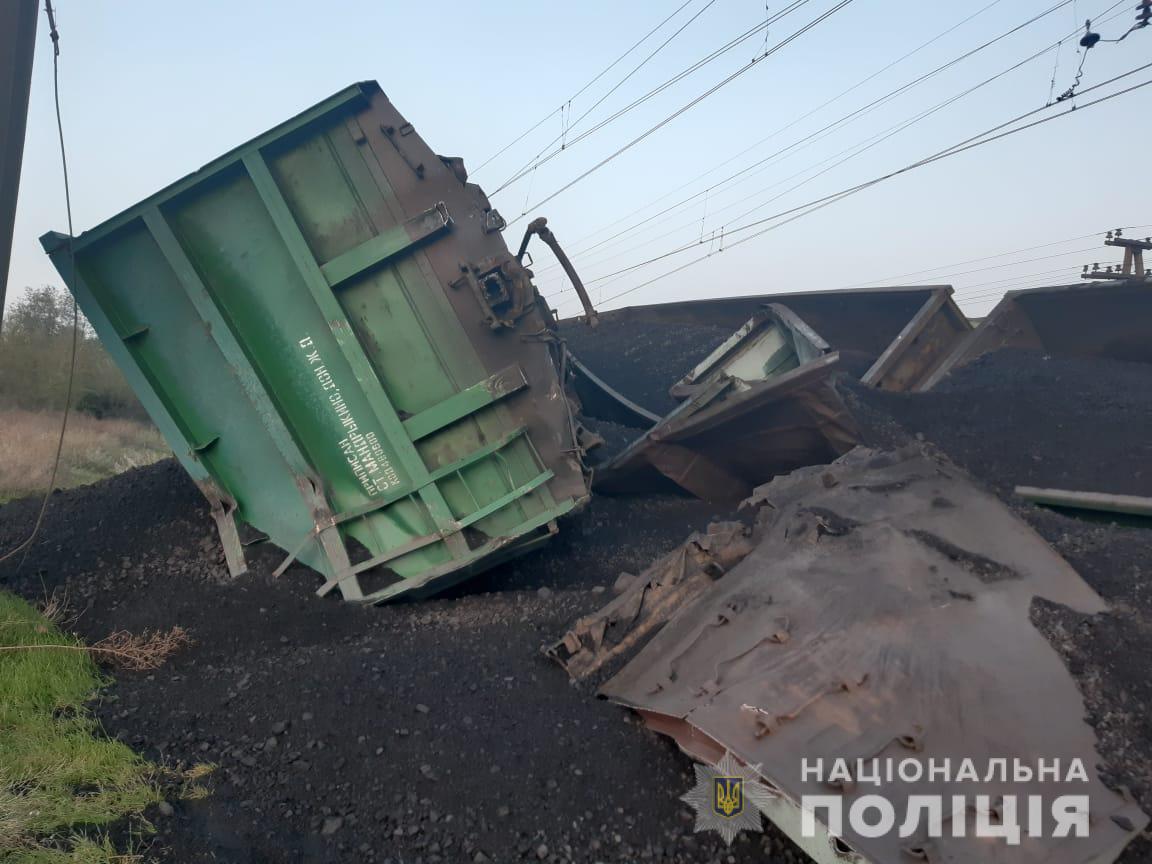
{"points": [[17, 43], [1133, 266]]}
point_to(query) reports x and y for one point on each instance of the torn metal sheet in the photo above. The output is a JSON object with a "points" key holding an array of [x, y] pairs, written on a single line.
{"points": [[1105, 319], [921, 347], [760, 405], [646, 601], [884, 613]]}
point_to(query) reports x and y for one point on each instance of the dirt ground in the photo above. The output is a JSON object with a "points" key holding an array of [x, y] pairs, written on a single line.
{"points": [[436, 731]]}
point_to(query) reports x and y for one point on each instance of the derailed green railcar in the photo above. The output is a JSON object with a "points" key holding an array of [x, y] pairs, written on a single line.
{"points": [[328, 328]]}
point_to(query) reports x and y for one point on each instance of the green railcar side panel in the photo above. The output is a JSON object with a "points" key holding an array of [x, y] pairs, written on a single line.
{"points": [[239, 254], [298, 318], [229, 236], [150, 314], [416, 347]]}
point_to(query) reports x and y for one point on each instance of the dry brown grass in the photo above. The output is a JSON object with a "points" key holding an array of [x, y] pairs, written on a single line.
{"points": [[93, 449], [141, 652]]}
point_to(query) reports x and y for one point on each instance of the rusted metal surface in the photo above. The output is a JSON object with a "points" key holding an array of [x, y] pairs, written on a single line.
{"points": [[647, 601], [539, 227], [1104, 319], [732, 432], [884, 612], [921, 347], [720, 451], [326, 324], [744, 417]]}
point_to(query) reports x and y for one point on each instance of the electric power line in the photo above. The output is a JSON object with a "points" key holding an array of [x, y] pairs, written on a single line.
{"points": [[544, 155], [990, 257], [691, 104], [852, 152], [948, 277], [827, 129], [966, 291], [1036, 280], [986, 137], [580, 92]]}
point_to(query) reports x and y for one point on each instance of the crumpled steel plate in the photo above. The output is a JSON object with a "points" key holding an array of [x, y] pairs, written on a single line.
{"points": [[884, 612]]}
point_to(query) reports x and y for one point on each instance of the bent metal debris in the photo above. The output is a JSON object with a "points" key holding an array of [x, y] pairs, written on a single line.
{"points": [[329, 328]]}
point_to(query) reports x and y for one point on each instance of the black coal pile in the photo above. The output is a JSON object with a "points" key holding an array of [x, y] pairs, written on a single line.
{"points": [[436, 731], [420, 732], [643, 362], [1024, 418]]}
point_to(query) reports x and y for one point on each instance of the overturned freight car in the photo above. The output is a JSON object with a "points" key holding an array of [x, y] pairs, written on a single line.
{"points": [[762, 402], [329, 330]]}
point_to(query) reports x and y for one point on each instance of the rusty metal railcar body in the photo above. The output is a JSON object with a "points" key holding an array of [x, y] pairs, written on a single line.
{"points": [[328, 328]]}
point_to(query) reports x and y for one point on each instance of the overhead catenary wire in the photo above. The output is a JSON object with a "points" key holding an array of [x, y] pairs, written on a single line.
{"points": [[26, 544], [990, 257], [951, 275], [544, 155], [1087, 42], [827, 129], [582, 90], [756, 144], [986, 137], [1035, 280], [957, 148], [855, 150], [691, 104]]}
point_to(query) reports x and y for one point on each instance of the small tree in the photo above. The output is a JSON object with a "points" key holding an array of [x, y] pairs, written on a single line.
{"points": [[35, 348], [41, 312]]}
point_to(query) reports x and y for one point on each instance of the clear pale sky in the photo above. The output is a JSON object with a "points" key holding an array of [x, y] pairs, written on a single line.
{"points": [[151, 91]]}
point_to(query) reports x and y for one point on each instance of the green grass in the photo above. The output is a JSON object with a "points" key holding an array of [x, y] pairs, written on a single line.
{"points": [[62, 779]]}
